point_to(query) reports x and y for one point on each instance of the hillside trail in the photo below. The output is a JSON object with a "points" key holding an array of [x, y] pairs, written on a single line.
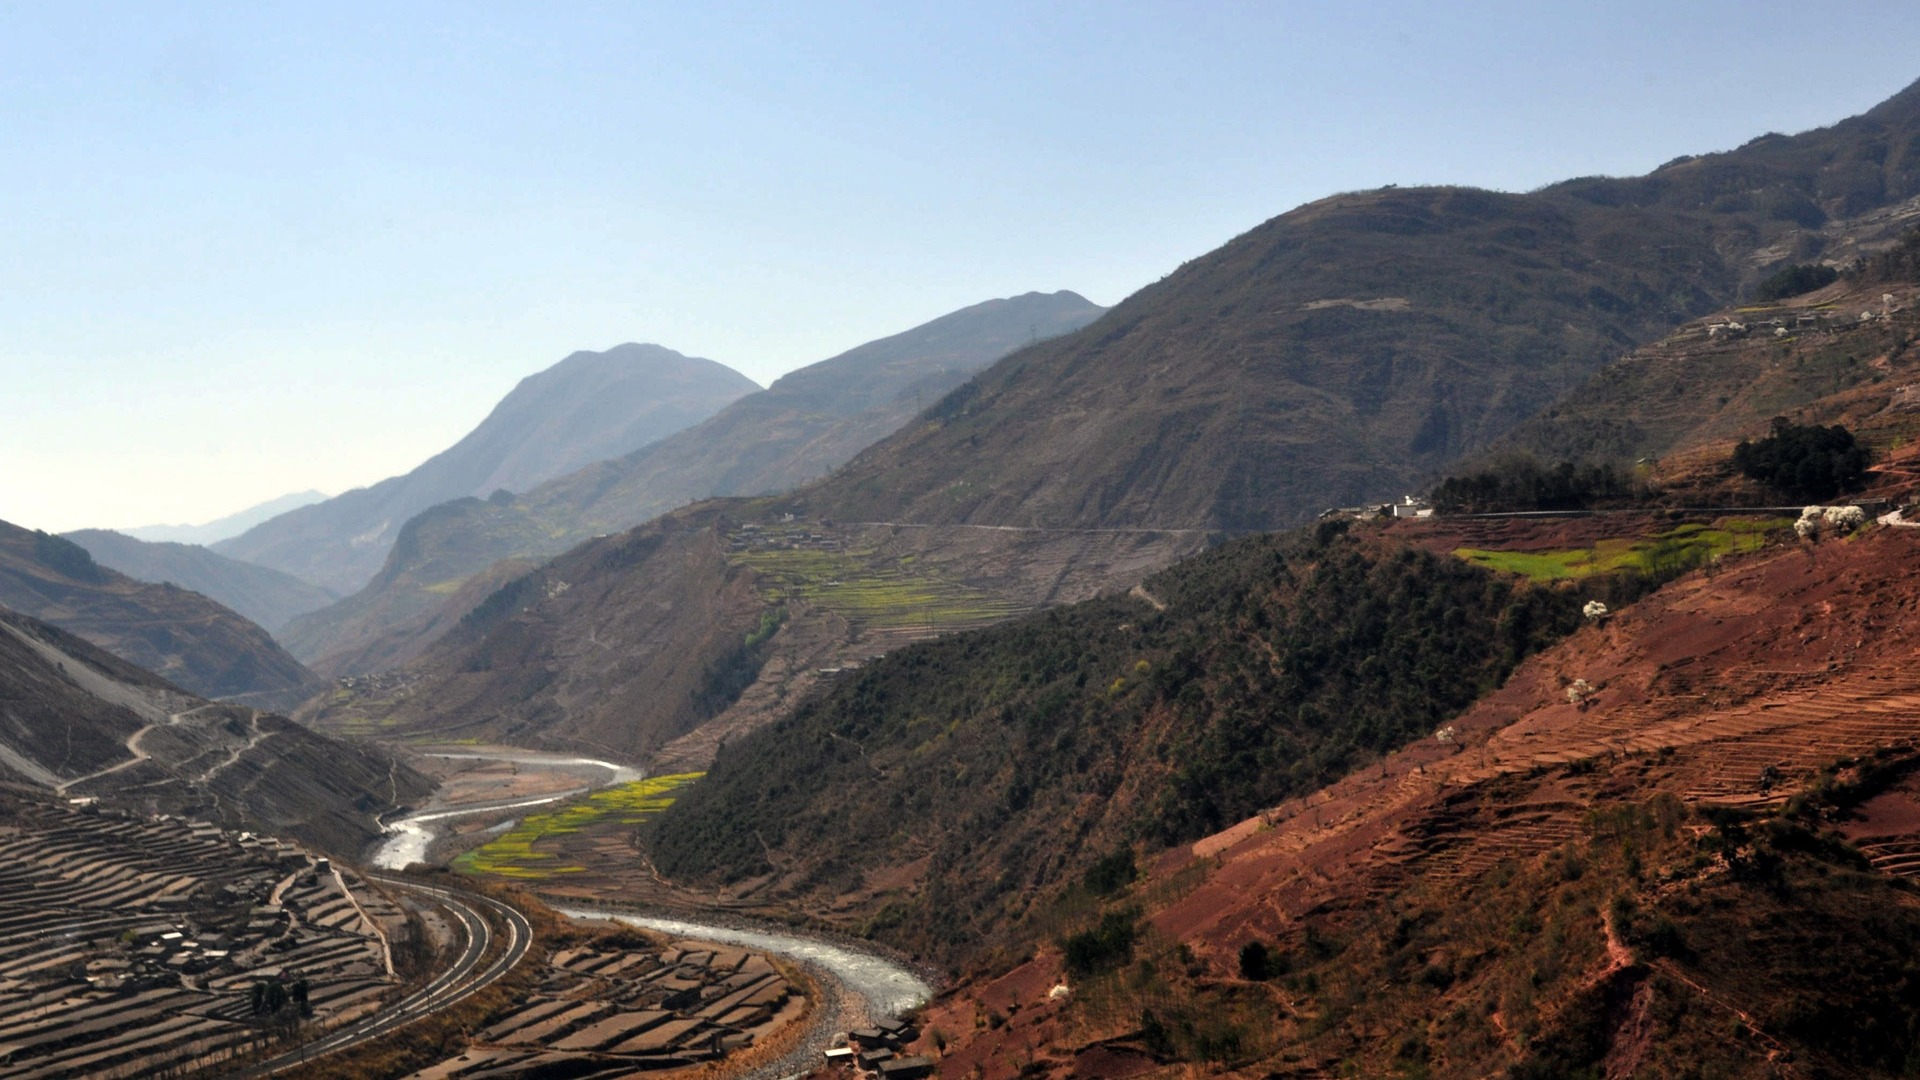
{"points": [[1139, 592], [367, 922], [254, 739], [140, 756]]}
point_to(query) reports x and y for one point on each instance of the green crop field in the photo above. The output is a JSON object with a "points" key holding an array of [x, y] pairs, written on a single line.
{"points": [[1688, 545], [873, 591], [513, 854]]}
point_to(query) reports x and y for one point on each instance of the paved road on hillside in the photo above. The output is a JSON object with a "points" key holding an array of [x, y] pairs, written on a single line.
{"points": [[465, 977]]}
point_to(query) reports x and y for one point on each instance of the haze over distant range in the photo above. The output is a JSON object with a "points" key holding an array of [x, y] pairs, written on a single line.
{"points": [[220, 528], [263, 251]]}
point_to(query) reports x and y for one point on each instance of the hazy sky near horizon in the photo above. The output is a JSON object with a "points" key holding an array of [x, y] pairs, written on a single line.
{"points": [[248, 250]]}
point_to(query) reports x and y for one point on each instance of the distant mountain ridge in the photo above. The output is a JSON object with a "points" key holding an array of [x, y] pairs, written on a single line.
{"points": [[178, 635], [587, 407], [803, 426], [1349, 348], [264, 595], [1346, 350], [222, 528]]}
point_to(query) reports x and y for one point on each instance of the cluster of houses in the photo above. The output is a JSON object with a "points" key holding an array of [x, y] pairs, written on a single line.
{"points": [[298, 920], [1800, 321], [1782, 326], [878, 1051], [752, 537], [1409, 506], [384, 682]]}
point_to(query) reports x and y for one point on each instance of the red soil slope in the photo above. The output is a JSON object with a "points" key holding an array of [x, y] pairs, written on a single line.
{"points": [[1732, 688]]}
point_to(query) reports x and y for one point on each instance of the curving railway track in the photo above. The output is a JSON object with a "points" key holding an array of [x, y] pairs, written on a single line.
{"points": [[467, 975]]}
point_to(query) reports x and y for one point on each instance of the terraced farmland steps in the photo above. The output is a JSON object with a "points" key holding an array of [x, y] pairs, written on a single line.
{"points": [[1749, 755], [1800, 734], [129, 945], [1899, 856]]}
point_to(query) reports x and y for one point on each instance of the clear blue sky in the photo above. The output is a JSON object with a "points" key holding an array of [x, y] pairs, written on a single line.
{"points": [[251, 249]]}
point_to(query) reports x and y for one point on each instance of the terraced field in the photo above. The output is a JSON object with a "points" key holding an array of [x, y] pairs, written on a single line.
{"points": [[1692, 544], [604, 1010], [132, 946], [1736, 690], [1790, 673], [873, 591]]}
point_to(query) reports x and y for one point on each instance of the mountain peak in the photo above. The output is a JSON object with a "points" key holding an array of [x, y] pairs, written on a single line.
{"points": [[589, 407], [629, 357]]}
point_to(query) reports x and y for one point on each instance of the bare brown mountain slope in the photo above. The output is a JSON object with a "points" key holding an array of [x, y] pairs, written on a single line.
{"points": [[180, 635], [79, 722], [266, 596], [804, 425], [659, 643], [1549, 887], [1346, 349], [1342, 351], [587, 407], [1844, 354]]}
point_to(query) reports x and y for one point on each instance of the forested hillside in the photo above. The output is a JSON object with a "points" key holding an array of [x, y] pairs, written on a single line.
{"points": [[950, 783], [1677, 843]]}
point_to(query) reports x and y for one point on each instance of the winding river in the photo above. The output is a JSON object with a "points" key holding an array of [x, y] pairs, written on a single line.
{"points": [[887, 988], [857, 987], [616, 773], [409, 837]]}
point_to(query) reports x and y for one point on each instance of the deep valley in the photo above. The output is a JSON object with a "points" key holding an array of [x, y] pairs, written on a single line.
{"points": [[1437, 633]]}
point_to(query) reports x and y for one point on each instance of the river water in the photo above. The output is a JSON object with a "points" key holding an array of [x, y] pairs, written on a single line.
{"points": [[859, 987], [616, 773], [409, 837], [888, 988]]}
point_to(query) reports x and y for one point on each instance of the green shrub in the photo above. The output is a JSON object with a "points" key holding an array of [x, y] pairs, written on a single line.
{"points": [[1112, 873], [1256, 961], [1522, 483], [1104, 947], [1794, 280], [1898, 263], [1804, 462]]}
